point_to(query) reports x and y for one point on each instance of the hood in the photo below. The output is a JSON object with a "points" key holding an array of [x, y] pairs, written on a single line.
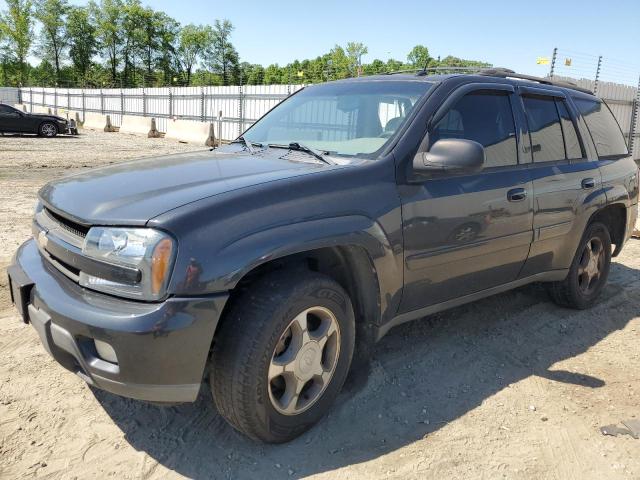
{"points": [[46, 115], [132, 193]]}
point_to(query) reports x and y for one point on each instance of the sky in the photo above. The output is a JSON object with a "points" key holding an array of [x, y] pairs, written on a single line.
{"points": [[505, 33]]}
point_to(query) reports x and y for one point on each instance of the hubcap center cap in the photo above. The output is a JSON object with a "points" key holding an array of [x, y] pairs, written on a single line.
{"points": [[308, 361]]}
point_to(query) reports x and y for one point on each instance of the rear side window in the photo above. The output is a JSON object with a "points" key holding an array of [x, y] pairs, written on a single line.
{"points": [[6, 109], [603, 127], [547, 142], [571, 142], [485, 117]]}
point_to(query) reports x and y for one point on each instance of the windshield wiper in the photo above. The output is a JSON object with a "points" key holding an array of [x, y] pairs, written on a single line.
{"points": [[249, 144], [303, 148]]}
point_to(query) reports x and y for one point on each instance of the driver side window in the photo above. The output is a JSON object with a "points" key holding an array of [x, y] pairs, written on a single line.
{"points": [[484, 117]]}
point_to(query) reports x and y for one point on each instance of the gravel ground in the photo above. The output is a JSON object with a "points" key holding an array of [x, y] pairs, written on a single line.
{"points": [[508, 387]]}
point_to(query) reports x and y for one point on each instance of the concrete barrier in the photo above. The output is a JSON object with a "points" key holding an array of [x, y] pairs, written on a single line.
{"points": [[139, 125], [40, 109], [97, 121], [20, 106], [200, 133]]}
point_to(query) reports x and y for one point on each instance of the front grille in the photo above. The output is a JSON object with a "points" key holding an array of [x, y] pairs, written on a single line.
{"points": [[70, 226]]}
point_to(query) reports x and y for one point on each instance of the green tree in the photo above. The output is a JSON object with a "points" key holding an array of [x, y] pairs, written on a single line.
{"points": [[193, 41], [167, 54], [132, 33], [394, 65], [419, 56], [221, 55], [16, 25], [81, 36], [108, 18], [53, 35], [338, 63], [355, 52]]}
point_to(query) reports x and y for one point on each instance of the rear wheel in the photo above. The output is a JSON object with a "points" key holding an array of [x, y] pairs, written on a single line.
{"points": [[282, 355], [588, 272], [48, 129]]}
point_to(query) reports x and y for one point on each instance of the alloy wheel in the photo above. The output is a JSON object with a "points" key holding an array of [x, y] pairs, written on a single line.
{"points": [[304, 360], [591, 265], [49, 130]]}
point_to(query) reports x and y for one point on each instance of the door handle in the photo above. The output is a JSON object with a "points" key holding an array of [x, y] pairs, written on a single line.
{"points": [[588, 183], [516, 195]]}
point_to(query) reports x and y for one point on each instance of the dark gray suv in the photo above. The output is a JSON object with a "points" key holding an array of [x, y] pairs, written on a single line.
{"points": [[266, 266]]}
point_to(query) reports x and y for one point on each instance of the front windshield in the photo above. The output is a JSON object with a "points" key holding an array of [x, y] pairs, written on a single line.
{"points": [[342, 118]]}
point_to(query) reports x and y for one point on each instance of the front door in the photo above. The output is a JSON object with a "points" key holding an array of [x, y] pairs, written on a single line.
{"points": [[467, 233], [9, 119]]}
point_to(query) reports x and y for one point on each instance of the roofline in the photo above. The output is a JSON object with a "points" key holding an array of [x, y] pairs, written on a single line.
{"points": [[496, 73], [506, 73]]}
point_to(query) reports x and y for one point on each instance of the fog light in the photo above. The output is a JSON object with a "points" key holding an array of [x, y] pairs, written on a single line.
{"points": [[106, 351]]}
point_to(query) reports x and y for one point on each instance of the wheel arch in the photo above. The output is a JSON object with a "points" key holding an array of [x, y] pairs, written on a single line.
{"points": [[614, 216], [353, 251]]}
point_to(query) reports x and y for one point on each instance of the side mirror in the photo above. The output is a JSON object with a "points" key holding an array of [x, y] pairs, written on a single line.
{"points": [[450, 155]]}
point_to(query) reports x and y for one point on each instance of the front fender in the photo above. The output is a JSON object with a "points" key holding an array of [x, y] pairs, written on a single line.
{"points": [[222, 270]]}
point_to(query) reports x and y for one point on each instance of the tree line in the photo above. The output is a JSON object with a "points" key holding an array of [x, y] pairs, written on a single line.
{"points": [[122, 43]]}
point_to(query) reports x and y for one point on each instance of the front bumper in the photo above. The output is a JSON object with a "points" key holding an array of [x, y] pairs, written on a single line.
{"points": [[161, 348]]}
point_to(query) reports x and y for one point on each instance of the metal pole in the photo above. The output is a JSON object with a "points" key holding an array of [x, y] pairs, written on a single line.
{"points": [[30, 100], [220, 127], [202, 104], [595, 85], [84, 105], [144, 103], [240, 110], [101, 101], [553, 61], [635, 112], [121, 101], [170, 103]]}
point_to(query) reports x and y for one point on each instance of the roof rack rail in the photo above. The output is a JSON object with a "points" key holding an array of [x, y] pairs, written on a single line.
{"points": [[424, 71], [507, 73]]}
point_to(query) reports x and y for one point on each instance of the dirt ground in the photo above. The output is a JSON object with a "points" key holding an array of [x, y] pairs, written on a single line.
{"points": [[509, 387]]}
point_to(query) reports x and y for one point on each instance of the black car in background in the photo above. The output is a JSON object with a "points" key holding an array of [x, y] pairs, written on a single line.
{"points": [[13, 120]]}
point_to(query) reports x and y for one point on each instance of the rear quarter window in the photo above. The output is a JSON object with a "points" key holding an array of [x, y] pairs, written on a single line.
{"points": [[603, 127]]}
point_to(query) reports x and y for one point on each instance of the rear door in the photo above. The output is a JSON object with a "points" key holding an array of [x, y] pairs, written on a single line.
{"points": [[567, 185], [466, 233]]}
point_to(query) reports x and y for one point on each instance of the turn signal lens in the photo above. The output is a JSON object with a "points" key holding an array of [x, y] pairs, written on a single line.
{"points": [[160, 261]]}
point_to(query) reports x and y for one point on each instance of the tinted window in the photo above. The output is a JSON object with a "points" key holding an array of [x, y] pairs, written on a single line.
{"points": [[6, 109], [547, 143], [486, 118], [603, 127], [571, 142]]}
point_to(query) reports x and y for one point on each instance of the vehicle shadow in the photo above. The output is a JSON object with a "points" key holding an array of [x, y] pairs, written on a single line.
{"points": [[423, 375], [36, 136]]}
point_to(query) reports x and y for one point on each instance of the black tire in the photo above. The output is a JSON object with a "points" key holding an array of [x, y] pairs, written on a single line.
{"points": [[246, 344], [48, 129], [575, 291]]}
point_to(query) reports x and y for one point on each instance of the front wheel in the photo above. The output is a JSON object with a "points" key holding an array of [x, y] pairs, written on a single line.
{"points": [[588, 272], [282, 355], [48, 129]]}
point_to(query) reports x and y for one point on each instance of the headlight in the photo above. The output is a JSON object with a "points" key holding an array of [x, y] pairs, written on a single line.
{"points": [[150, 251]]}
